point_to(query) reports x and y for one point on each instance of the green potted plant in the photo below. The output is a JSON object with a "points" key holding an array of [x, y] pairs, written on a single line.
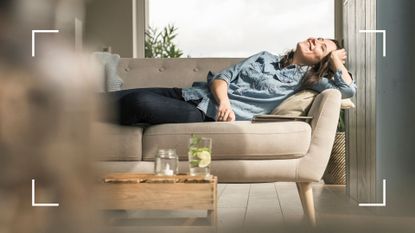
{"points": [[160, 44]]}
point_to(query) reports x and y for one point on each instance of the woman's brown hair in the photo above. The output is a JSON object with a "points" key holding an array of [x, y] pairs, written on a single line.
{"points": [[316, 72]]}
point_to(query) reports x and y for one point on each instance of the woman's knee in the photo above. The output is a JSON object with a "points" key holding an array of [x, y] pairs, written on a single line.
{"points": [[137, 99], [133, 107]]}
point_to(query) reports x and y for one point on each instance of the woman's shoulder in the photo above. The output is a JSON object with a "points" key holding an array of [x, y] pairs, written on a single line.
{"points": [[266, 55]]}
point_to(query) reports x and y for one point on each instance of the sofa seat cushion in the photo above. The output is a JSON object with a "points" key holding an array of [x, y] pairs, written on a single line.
{"points": [[232, 141]]}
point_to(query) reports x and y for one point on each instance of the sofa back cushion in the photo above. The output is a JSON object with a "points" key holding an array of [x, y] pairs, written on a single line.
{"points": [[170, 72]]}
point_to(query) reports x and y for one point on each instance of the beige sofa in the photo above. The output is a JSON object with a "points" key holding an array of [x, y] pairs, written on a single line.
{"points": [[242, 151]]}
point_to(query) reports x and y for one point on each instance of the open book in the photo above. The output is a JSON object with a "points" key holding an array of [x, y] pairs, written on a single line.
{"points": [[276, 118]]}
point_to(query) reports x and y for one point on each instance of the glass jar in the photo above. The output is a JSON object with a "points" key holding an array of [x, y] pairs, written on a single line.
{"points": [[166, 163], [200, 156]]}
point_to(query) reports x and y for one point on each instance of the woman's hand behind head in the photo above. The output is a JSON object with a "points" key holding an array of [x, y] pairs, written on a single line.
{"points": [[340, 55]]}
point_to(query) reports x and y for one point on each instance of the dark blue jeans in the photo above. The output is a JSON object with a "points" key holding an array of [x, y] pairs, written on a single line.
{"points": [[153, 106]]}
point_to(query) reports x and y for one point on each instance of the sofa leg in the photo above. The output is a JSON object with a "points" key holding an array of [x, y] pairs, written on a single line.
{"points": [[300, 194], [306, 196]]}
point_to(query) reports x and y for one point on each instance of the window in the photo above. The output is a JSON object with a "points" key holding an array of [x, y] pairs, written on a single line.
{"points": [[240, 28]]}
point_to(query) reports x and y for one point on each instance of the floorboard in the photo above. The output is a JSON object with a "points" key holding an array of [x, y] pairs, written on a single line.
{"points": [[272, 206]]}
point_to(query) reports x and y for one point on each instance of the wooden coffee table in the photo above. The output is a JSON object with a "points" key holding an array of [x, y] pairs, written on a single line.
{"points": [[133, 191]]}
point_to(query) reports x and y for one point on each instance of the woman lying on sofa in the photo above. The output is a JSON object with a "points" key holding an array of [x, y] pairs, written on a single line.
{"points": [[254, 86]]}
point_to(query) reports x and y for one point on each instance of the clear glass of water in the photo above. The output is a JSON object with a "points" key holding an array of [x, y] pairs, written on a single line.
{"points": [[200, 156], [167, 162]]}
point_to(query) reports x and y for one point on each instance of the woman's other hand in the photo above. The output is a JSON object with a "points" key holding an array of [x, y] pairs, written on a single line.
{"points": [[225, 112], [219, 89], [337, 61], [339, 55]]}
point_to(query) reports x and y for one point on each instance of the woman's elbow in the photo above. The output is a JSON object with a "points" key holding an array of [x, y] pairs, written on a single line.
{"points": [[348, 92]]}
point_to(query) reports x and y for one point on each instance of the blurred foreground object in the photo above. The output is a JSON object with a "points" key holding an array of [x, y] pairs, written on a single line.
{"points": [[47, 105], [45, 134]]}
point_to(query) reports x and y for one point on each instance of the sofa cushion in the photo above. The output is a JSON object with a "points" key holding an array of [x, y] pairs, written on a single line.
{"points": [[232, 141], [297, 104], [115, 142], [347, 104], [156, 72], [300, 103], [109, 63]]}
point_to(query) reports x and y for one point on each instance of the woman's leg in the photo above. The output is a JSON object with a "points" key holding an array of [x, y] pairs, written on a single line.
{"points": [[111, 107], [156, 106]]}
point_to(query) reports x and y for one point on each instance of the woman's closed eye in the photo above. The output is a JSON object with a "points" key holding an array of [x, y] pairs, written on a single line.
{"points": [[323, 44], [324, 47]]}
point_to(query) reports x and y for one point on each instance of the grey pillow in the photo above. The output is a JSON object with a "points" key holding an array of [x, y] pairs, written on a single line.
{"points": [[109, 62]]}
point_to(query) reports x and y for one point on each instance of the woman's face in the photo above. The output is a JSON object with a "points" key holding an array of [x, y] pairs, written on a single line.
{"points": [[312, 50]]}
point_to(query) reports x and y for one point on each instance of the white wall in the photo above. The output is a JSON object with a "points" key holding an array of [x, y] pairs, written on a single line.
{"points": [[109, 23]]}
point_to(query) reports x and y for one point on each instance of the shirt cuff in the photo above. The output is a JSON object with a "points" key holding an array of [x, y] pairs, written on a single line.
{"points": [[339, 81], [221, 76]]}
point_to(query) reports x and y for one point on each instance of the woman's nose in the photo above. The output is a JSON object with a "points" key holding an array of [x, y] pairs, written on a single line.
{"points": [[312, 41]]}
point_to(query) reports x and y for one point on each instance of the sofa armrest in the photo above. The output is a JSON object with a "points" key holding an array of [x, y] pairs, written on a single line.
{"points": [[325, 112], [114, 142]]}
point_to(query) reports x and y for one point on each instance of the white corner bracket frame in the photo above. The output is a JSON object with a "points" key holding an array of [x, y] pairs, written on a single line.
{"points": [[383, 204], [40, 204], [383, 35], [34, 38]]}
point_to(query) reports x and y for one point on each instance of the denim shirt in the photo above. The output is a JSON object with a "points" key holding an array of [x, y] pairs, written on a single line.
{"points": [[258, 84]]}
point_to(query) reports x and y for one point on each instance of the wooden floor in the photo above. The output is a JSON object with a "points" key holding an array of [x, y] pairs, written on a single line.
{"points": [[274, 204], [265, 206]]}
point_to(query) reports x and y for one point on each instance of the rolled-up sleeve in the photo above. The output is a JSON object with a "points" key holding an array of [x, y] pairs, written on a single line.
{"points": [[229, 74], [337, 82]]}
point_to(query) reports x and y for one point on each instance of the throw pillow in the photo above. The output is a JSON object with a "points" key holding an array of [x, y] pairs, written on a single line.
{"points": [[300, 103], [109, 63], [347, 104], [297, 104]]}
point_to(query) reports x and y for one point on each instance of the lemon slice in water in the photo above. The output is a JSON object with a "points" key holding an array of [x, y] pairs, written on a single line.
{"points": [[205, 159]]}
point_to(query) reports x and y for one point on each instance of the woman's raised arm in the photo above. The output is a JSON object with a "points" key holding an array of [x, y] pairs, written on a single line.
{"points": [[342, 80], [337, 60]]}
